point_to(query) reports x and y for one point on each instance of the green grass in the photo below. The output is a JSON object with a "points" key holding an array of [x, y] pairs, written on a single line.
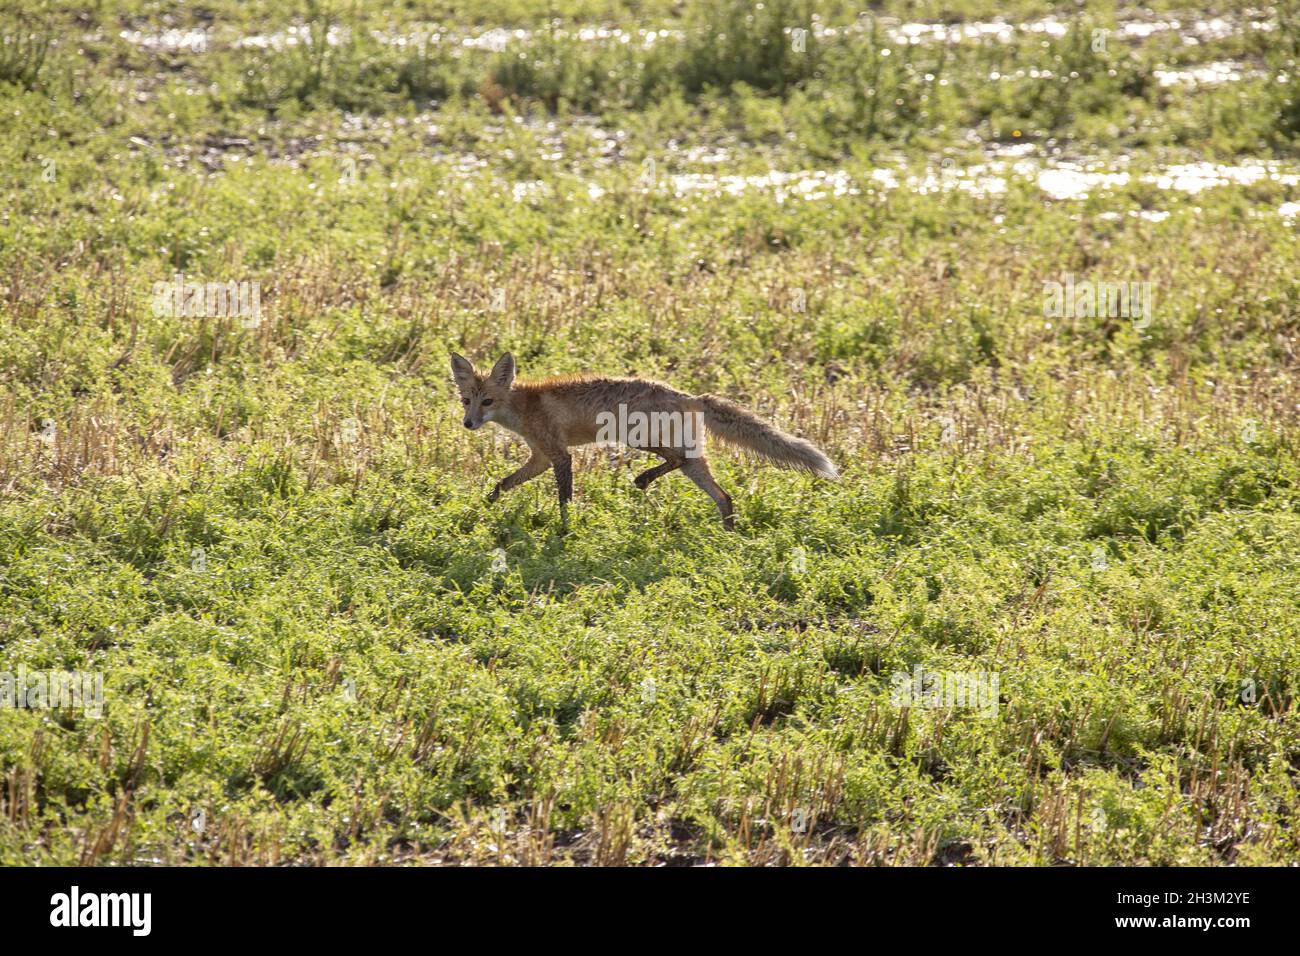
{"points": [[274, 544]]}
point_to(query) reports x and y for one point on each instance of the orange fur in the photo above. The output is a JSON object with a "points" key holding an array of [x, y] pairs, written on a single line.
{"points": [[555, 414]]}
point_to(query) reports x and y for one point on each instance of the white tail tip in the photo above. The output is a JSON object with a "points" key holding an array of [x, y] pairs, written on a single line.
{"points": [[826, 469]]}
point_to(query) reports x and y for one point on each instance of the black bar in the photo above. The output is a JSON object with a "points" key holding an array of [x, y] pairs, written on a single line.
{"points": [[299, 906]]}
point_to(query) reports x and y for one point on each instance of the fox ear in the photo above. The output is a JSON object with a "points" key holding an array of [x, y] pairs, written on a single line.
{"points": [[462, 371], [503, 373]]}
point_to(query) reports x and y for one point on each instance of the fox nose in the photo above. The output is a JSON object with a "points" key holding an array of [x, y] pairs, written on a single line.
{"points": [[469, 424]]}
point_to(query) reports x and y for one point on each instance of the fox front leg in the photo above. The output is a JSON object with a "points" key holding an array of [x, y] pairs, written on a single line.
{"points": [[564, 479], [533, 467]]}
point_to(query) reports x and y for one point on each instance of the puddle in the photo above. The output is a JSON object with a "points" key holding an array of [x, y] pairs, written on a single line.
{"points": [[494, 40], [1193, 32], [1150, 215], [1002, 31], [702, 170], [1058, 180], [293, 36], [497, 39], [810, 184], [169, 41], [1195, 177], [1072, 181], [1215, 28], [1207, 74]]}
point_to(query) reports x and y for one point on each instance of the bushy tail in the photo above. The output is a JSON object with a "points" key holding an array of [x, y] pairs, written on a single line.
{"points": [[740, 427]]}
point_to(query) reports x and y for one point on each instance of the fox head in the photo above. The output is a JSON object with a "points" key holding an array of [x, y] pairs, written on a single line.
{"points": [[482, 395]]}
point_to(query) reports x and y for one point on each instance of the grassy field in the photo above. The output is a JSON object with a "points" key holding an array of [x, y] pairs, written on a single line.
{"points": [[320, 644]]}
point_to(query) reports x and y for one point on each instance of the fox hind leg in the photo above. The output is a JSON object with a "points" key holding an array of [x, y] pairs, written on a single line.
{"points": [[697, 469], [643, 480]]}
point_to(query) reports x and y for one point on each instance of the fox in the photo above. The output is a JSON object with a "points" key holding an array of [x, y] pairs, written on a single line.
{"points": [[553, 415]]}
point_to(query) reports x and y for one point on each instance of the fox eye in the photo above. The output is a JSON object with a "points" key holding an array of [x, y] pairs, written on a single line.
{"points": [[486, 402], [464, 401]]}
